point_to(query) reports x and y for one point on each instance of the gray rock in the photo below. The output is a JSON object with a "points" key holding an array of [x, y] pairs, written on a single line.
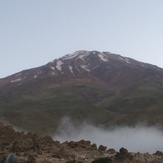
{"points": [[11, 159]]}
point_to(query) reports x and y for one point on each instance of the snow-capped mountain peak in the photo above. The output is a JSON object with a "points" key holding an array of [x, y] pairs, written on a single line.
{"points": [[79, 60], [79, 63]]}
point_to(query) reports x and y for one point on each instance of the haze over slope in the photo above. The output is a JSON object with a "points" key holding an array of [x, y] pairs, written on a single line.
{"points": [[140, 138], [102, 88]]}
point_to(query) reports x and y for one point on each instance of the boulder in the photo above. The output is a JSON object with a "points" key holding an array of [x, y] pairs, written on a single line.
{"points": [[123, 155], [102, 148], [11, 158]]}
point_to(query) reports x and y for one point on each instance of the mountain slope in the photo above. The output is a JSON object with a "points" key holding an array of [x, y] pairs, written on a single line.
{"points": [[99, 87]]}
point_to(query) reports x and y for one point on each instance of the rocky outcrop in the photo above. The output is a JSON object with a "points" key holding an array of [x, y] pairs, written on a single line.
{"points": [[33, 148], [123, 156], [102, 148]]}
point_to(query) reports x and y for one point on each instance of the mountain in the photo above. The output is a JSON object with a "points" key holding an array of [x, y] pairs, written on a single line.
{"points": [[101, 88]]}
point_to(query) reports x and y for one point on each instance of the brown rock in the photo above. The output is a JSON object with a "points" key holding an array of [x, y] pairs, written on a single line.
{"points": [[102, 148], [123, 155], [94, 146], [158, 153], [72, 144], [31, 159], [111, 151]]}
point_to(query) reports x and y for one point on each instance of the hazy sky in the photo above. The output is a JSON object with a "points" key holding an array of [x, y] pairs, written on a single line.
{"points": [[34, 32]]}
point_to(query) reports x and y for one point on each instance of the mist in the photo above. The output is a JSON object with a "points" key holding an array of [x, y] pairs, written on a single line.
{"points": [[137, 139]]}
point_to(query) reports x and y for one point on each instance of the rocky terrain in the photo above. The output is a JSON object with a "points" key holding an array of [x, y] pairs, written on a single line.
{"points": [[33, 148]]}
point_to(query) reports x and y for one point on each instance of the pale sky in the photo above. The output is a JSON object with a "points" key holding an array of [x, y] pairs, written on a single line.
{"points": [[35, 32]]}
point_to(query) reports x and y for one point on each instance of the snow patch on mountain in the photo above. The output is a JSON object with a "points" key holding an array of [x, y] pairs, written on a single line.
{"points": [[70, 68], [85, 68], [70, 56], [59, 65], [37, 74], [53, 68], [124, 59], [18, 74], [81, 54], [103, 57], [127, 60], [16, 80], [81, 57], [95, 67]]}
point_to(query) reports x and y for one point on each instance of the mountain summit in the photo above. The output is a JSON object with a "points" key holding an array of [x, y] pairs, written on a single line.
{"points": [[100, 87], [99, 64]]}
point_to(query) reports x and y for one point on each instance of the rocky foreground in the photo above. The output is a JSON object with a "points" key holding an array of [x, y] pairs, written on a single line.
{"points": [[33, 148]]}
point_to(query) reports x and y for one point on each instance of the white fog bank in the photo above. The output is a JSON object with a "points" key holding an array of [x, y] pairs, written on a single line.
{"points": [[137, 139]]}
